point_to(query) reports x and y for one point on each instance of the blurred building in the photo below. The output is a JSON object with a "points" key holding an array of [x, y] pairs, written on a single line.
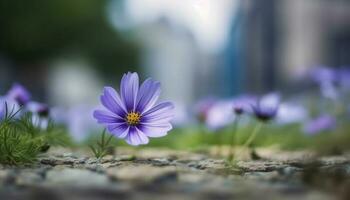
{"points": [[285, 38], [196, 48]]}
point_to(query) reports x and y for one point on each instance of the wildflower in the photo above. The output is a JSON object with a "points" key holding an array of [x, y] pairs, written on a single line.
{"points": [[134, 115], [19, 94], [322, 123], [181, 116], [266, 108], [202, 108], [323, 74], [2, 108], [242, 104], [327, 79], [290, 112], [220, 115], [40, 114], [77, 119], [40, 109], [8, 106], [344, 78]]}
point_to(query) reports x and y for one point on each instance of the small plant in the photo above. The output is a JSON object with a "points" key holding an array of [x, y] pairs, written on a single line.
{"points": [[20, 140], [102, 147]]}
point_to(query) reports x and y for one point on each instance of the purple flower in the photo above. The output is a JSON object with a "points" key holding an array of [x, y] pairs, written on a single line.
{"points": [[40, 109], [327, 79], [291, 112], [322, 123], [202, 108], [243, 104], [324, 74], [181, 116], [79, 121], [10, 105], [344, 77], [134, 115], [19, 94], [266, 108], [40, 114], [2, 108], [220, 115]]}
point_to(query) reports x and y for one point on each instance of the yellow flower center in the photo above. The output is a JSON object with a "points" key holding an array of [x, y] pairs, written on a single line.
{"points": [[133, 118]]}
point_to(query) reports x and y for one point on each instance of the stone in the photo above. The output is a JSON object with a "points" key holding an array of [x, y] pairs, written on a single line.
{"points": [[142, 173], [266, 176], [81, 177], [260, 165], [7, 177], [28, 178]]}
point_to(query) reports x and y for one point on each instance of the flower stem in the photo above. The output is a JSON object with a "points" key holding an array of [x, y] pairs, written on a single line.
{"points": [[251, 137], [233, 139]]}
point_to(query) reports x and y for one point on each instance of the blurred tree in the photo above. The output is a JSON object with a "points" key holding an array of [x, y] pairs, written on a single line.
{"points": [[35, 31]]}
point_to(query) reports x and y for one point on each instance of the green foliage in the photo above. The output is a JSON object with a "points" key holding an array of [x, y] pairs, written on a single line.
{"points": [[101, 148], [287, 137], [21, 141], [39, 30]]}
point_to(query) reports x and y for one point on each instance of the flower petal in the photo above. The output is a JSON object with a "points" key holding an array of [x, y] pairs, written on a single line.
{"points": [[120, 130], [105, 117], [155, 130], [128, 89], [160, 118], [136, 137], [162, 111], [148, 95], [111, 100]]}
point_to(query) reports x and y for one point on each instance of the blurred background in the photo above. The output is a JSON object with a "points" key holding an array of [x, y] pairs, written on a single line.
{"points": [[203, 51], [65, 51]]}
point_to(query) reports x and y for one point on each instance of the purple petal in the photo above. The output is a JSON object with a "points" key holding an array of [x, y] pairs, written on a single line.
{"points": [[19, 93], [136, 137], [148, 95], [322, 123], [120, 130], [161, 112], [128, 89], [155, 130], [105, 117], [111, 100]]}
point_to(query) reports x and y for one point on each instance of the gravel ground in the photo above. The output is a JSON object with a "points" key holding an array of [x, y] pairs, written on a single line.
{"points": [[160, 173]]}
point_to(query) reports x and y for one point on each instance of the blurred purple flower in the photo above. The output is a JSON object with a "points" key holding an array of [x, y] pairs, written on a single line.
{"points": [[327, 79], [322, 123], [266, 108], [181, 115], [79, 121], [344, 78], [59, 115], [220, 115], [19, 94], [40, 114], [242, 104], [2, 108], [291, 113], [202, 108], [40, 109], [10, 105], [134, 115], [322, 74]]}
